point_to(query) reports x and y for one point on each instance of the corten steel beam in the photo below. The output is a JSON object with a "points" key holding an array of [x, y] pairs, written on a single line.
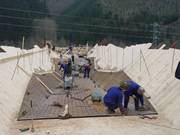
{"points": [[174, 45]]}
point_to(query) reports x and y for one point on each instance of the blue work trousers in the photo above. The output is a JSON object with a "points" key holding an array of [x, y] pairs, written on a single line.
{"points": [[126, 100], [86, 71], [64, 74], [111, 106]]}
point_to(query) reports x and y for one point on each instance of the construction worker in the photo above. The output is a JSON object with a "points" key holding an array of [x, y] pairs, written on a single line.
{"points": [[86, 70], [136, 92], [70, 49], [61, 55], [113, 99], [79, 53], [177, 73], [72, 57], [64, 68]]}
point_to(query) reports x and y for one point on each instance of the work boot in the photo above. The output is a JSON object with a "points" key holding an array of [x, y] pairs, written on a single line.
{"points": [[141, 108]]}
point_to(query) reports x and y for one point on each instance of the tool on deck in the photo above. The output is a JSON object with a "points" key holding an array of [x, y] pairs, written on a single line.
{"points": [[145, 116], [57, 104], [68, 77], [32, 129], [23, 130], [68, 81], [76, 73], [96, 97], [24, 113], [81, 91]]}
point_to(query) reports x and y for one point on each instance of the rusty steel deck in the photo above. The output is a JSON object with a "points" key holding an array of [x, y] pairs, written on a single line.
{"points": [[44, 103]]}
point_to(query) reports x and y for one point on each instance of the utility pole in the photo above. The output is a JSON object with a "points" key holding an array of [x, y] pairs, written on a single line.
{"points": [[155, 31]]}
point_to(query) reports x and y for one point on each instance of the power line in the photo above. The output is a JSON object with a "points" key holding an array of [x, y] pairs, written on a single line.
{"points": [[71, 16], [107, 27], [78, 31], [170, 26], [170, 33], [3, 8]]}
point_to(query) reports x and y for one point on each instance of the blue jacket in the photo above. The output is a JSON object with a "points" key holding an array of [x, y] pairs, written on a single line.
{"points": [[132, 90], [63, 66], [114, 96], [70, 48]]}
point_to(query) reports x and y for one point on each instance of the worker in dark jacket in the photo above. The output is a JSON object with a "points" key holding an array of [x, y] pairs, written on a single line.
{"points": [[86, 70], [136, 92], [62, 65], [177, 73], [70, 49], [113, 99]]}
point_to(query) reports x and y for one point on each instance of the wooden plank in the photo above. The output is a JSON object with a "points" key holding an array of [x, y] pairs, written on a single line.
{"points": [[44, 85], [58, 74], [24, 71], [56, 77]]}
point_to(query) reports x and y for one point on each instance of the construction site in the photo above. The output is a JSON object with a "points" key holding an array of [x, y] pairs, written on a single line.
{"points": [[37, 98]]}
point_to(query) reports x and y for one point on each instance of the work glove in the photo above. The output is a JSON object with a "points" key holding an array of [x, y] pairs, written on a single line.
{"points": [[123, 112], [133, 96]]}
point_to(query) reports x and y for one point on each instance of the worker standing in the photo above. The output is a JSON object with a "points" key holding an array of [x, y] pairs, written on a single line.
{"points": [[62, 65], [70, 49], [136, 92], [61, 55], [86, 70], [79, 53], [113, 99], [72, 57]]}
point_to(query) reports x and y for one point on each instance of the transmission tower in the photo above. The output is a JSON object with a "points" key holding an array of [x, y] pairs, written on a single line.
{"points": [[155, 31]]}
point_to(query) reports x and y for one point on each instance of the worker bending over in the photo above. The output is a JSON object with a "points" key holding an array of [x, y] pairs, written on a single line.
{"points": [[113, 99], [86, 70], [136, 92], [62, 65]]}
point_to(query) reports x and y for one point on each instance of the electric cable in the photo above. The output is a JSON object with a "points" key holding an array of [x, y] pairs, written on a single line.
{"points": [[70, 30], [3, 8], [108, 27]]}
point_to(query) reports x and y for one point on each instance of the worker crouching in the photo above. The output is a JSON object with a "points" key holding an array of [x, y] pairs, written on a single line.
{"points": [[113, 99]]}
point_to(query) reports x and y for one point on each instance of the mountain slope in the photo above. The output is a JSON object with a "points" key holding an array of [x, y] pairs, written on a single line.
{"points": [[119, 21]]}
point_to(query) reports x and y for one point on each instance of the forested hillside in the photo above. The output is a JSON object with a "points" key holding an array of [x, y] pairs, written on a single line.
{"points": [[121, 22], [16, 19]]}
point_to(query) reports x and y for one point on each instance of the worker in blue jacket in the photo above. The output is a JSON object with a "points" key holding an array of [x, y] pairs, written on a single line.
{"points": [[70, 49], [113, 99], [136, 92], [62, 65]]}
